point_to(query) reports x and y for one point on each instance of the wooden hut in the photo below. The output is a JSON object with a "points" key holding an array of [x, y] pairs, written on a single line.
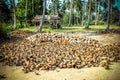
{"points": [[49, 18]]}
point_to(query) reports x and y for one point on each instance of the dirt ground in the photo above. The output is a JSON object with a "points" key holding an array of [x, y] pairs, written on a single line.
{"points": [[93, 73], [107, 38]]}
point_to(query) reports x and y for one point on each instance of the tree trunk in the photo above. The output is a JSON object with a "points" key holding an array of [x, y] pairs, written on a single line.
{"points": [[96, 7], [43, 16], [98, 13], [26, 8], [83, 12], [77, 20], [111, 9], [54, 3], [33, 7], [108, 16], [14, 11], [89, 13], [53, 7], [70, 17], [80, 13]]}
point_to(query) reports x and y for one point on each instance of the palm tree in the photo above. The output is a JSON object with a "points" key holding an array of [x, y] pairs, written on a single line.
{"points": [[26, 8], [33, 7], [71, 10], [108, 15], [89, 14], [54, 7], [14, 11], [98, 12], [78, 8], [96, 8], [43, 16], [83, 12]]}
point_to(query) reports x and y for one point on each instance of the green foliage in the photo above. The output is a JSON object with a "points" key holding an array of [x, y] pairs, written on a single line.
{"points": [[85, 22], [32, 28], [99, 23], [66, 19], [61, 8], [19, 25], [21, 9], [3, 30], [76, 28]]}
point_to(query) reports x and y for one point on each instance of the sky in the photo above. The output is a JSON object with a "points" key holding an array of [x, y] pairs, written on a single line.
{"points": [[117, 3]]}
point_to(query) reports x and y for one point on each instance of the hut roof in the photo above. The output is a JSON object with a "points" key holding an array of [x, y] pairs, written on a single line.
{"points": [[47, 17]]}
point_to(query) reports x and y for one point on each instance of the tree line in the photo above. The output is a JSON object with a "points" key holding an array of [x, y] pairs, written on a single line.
{"points": [[71, 12]]}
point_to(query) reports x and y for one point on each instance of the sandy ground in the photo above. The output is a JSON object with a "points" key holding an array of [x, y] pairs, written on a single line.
{"points": [[107, 38], [93, 73]]}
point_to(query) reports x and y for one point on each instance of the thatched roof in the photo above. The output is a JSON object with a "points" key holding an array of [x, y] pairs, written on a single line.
{"points": [[47, 18]]}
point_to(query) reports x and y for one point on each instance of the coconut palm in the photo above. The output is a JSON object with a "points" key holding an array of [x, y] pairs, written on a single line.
{"points": [[14, 11], [71, 12], [89, 14], [43, 16], [26, 9], [33, 7], [108, 15]]}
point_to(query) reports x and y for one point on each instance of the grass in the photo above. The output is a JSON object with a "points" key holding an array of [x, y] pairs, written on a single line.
{"points": [[33, 29], [92, 28]]}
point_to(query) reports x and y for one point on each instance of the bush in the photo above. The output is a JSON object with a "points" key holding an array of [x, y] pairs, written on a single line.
{"points": [[66, 19], [85, 22], [58, 26], [3, 31], [19, 25], [9, 28]]}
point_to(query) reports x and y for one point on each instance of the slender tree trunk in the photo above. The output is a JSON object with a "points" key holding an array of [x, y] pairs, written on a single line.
{"points": [[14, 11], [43, 16], [96, 7], [26, 8], [89, 14], [53, 7], [77, 20], [98, 13], [54, 12], [111, 8], [108, 16], [70, 17], [73, 19], [83, 12], [80, 17], [33, 7]]}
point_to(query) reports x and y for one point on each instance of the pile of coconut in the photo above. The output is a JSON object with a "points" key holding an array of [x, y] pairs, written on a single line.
{"points": [[48, 51]]}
